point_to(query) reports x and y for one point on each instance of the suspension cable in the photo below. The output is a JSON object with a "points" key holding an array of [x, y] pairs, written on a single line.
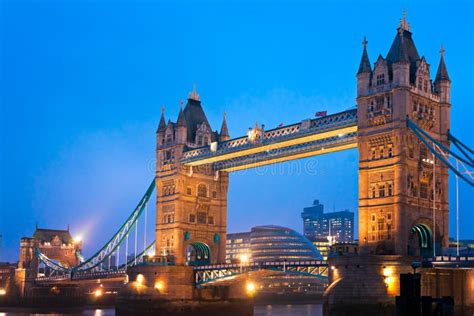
{"points": [[144, 230], [136, 233], [457, 209], [126, 252], [117, 260]]}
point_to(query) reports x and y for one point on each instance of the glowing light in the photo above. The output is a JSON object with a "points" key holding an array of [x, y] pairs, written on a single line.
{"points": [[333, 267], [387, 271], [389, 281], [78, 239], [140, 279], [3, 292], [159, 285], [340, 135], [244, 258], [98, 292], [250, 288]]}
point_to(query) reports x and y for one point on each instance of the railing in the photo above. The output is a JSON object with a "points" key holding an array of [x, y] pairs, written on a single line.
{"points": [[262, 264], [307, 127]]}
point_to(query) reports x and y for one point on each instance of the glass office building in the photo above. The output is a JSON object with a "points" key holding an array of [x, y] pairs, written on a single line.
{"points": [[334, 226], [271, 243]]}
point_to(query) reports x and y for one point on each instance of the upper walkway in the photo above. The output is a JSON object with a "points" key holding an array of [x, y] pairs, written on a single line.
{"points": [[308, 138]]}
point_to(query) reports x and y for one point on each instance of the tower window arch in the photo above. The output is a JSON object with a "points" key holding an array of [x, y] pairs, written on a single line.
{"points": [[202, 190]]}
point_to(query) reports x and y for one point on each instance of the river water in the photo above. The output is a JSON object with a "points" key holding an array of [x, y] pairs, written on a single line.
{"points": [[260, 310]]}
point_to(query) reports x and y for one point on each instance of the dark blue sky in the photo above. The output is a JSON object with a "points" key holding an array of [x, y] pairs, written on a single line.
{"points": [[82, 84]]}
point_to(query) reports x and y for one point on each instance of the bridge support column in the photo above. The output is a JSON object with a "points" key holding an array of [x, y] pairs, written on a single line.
{"points": [[170, 290], [365, 280]]}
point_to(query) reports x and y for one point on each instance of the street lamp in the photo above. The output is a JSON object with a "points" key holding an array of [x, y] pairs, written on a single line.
{"points": [[250, 288], [244, 259]]}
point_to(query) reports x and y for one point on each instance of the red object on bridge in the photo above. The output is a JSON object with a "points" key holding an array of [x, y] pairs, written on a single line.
{"points": [[321, 113]]}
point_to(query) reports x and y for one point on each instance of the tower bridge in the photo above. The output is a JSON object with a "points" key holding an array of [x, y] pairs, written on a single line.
{"points": [[401, 128]]}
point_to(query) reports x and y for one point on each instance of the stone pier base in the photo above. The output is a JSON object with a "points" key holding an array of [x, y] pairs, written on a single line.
{"points": [[170, 290], [375, 280], [365, 280]]}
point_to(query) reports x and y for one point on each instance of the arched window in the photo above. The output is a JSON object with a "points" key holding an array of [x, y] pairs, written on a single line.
{"points": [[202, 190]]}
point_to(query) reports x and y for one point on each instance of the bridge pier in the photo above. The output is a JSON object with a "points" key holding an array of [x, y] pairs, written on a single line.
{"points": [[170, 290], [375, 280]]}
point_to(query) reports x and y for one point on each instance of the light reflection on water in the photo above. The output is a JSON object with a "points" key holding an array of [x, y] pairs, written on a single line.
{"points": [[260, 310], [293, 310]]}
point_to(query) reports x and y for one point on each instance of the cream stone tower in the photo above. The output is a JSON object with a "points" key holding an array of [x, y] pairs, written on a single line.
{"points": [[397, 173], [191, 207]]}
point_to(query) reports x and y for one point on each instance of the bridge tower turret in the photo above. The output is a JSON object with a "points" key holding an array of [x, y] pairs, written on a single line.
{"points": [[191, 209], [399, 186]]}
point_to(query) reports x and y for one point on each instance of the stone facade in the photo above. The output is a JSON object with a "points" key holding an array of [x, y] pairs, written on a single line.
{"points": [[56, 244], [191, 207], [396, 169]]}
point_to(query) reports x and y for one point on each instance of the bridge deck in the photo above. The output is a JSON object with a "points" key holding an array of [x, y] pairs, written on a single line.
{"points": [[307, 138]]}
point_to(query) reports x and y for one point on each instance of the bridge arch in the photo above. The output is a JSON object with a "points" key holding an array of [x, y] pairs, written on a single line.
{"points": [[420, 241], [197, 253]]}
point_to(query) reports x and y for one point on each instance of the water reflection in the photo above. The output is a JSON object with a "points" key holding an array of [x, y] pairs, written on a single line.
{"points": [[260, 310], [293, 310]]}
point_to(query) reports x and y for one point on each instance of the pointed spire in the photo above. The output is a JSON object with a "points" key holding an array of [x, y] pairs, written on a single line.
{"points": [[162, 125], [364, 66], [224, 131], [181, 120], [404, 25], [442, 73], [193, 95]]}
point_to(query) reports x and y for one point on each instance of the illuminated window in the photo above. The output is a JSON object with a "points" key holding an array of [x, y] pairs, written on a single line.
{"points": [[423, 152], [382, 190], [381, 223], [423, 190], [390, 150], [374, 190]]}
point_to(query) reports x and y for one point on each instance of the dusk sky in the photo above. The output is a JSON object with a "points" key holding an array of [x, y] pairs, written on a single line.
{"points": [[82, 85]]}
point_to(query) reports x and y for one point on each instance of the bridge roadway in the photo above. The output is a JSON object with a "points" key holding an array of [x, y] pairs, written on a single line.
{"points": [[308, 138], [205, 274]]}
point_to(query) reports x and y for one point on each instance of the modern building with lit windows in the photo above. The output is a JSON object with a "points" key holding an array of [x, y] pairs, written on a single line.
{"points": [[334, 226], [270, 243], [237, 244]]}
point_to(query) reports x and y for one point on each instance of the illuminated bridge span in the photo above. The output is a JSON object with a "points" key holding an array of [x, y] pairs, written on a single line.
{"points": [[308, 138], [217, 273], [204, 275]]}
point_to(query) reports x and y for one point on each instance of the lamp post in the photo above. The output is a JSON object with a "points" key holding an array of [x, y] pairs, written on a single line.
{"points": [[244, 259]]}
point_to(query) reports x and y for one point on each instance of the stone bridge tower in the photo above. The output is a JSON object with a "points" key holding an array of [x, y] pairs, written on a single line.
{"points": [[396, 171], [191, 203]]}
